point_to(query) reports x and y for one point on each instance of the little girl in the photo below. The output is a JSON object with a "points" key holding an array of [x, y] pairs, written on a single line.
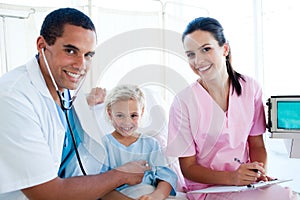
{"points": [[124, 107]]}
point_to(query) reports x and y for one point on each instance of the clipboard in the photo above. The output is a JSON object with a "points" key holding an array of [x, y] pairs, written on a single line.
{"points": [[222, 189]]}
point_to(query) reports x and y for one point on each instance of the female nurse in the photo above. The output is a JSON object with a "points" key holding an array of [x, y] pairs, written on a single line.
{"points": [[219, 120]]}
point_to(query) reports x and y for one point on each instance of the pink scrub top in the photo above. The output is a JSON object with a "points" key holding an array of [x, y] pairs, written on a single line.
{"points": [[198, 126]]}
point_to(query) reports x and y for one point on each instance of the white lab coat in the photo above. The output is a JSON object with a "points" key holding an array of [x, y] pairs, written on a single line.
{"points": [[31, 133]]}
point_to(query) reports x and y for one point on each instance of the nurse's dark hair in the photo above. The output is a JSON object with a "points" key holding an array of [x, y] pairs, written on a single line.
{"points": [[215, 28], [53, 25]]}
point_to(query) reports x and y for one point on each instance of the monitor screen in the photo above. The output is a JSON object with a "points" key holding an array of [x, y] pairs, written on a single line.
{"points": [[288, 114]]}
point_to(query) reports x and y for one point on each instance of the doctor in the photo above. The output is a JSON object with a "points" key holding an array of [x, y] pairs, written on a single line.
{"points": [[35, 142]]}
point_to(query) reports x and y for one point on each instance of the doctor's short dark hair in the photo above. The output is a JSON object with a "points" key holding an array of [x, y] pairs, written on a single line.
{"points": [[53, 25]]}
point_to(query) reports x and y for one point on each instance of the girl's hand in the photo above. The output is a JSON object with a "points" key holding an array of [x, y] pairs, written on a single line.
{"points": [[161, 192], [151, 196], [96, 96], [145, 197]]}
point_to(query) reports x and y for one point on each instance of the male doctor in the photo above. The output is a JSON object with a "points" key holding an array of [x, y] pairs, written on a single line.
{"points": [[36, 142]]}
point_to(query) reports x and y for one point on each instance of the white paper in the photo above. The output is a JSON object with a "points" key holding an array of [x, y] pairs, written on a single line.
{"points": [[221, 189]]}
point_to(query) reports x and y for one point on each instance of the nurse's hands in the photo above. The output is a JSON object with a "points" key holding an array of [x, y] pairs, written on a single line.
{"points": [[249, 173]]}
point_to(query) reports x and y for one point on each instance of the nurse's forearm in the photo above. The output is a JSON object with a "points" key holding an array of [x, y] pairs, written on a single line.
{"points": [[257, 150], [259, 155], [205, 175]]}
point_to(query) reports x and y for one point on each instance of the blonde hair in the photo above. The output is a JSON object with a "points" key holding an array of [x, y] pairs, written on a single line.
{"points": [[125, 93]]}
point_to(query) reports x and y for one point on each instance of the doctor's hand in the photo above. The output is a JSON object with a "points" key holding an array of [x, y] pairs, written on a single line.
{"points": [[96, 96], [134, 171], [249, 173]]}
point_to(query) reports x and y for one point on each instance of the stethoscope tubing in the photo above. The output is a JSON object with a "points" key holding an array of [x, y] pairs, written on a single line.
{"points": [[66, 110]]}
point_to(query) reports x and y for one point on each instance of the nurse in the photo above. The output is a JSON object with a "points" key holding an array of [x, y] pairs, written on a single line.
{"points": [[218, 118]]}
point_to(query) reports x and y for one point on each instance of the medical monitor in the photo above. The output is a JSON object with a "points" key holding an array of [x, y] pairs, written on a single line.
{"points": [[284, 121], [284, 114]]}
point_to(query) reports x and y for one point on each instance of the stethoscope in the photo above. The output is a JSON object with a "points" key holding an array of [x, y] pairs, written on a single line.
{"points": [[66, 108]]}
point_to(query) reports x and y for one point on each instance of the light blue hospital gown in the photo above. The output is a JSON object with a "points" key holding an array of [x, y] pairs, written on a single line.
{"points": [[145, 148]]}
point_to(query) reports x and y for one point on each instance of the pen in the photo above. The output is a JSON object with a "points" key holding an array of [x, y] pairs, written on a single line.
{"points": [[239, 161], [255, 170]]}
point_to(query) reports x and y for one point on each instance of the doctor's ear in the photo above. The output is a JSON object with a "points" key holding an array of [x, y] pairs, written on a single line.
{"points": [[41, 47], [41, 43]]}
